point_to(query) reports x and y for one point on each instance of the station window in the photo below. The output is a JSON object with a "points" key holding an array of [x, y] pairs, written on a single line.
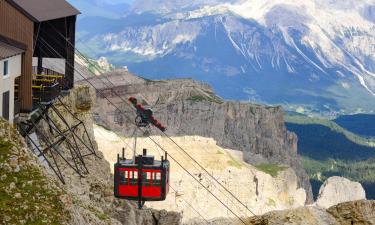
{"points": [[6, 68]]}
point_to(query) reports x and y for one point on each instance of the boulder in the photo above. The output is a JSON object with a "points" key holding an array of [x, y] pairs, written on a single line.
{"points": [[336, 190]]}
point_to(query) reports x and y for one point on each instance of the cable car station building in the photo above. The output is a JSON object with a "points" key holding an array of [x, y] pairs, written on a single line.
{"points": [[39, 29], [34, 28]]}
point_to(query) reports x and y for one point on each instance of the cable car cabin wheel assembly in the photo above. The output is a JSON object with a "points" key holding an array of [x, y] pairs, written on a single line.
{"points": [[142, 178]]}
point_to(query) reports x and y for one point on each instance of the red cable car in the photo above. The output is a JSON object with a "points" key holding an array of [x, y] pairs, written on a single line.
{"points": [[143, 179]]}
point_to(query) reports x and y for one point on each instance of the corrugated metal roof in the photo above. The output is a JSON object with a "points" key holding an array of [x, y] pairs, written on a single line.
{"points": [[7, 51], [43, 10]]}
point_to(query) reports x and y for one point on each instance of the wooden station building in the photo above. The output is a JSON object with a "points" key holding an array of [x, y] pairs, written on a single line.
{"points": [[41, 29]]}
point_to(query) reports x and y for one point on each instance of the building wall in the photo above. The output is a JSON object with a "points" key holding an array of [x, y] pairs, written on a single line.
{"points": [[7, 83], [16, 26]]}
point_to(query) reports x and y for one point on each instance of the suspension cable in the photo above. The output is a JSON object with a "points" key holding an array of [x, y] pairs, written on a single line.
{"points": [[187, 202], [185, 152], [182, 149], [196, 162], [126, 102]]}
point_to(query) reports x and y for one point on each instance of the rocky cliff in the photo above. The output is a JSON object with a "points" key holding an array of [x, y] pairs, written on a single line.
{"points": [[188, 107]]}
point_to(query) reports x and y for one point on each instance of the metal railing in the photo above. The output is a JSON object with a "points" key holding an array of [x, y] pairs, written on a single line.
{"points": [[48, 74], [47, 86]]}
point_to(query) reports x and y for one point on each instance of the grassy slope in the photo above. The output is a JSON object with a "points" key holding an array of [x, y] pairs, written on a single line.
{"points": [[25, 193], [328, 149], [271, 169]]}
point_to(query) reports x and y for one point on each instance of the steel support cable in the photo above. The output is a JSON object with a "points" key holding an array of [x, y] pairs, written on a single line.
{"points": [[188, 203], [239, 218], [185, 152], [235, 199]]}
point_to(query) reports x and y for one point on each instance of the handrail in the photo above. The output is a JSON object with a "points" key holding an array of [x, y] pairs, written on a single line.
{"points": [[45, 80], [55, 76], [38, 87]]}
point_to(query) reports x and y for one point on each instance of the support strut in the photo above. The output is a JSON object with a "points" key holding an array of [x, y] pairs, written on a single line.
{"points": [[50, 142]]}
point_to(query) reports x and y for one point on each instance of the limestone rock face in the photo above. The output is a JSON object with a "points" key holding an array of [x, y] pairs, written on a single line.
{"points": [[189, 108], [336, 190], [260, 191], [357, 212]]}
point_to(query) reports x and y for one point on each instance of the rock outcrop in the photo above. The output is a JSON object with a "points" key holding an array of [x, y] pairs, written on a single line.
{"points": [[336, 190], [189, 107], [356, 213]]}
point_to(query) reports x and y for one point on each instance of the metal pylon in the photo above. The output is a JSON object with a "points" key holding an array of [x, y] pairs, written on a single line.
{"points": [[59, 145]]}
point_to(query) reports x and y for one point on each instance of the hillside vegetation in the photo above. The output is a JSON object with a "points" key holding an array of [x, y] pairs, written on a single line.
{"points": [[361, 124], [328, 149], [352, 136], [27, 195]]}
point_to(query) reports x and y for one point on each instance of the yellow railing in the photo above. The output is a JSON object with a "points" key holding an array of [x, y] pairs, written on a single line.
{"points": [[49, 76]]}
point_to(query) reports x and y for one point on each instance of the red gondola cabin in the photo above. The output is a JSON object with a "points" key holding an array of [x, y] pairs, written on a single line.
{"points": [[144, 179]]}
